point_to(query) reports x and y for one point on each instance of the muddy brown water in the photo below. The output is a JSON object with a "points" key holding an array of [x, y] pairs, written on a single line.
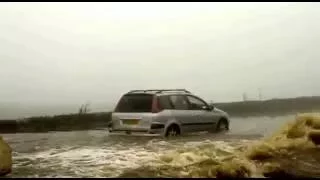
{"points": [[96, 154]]}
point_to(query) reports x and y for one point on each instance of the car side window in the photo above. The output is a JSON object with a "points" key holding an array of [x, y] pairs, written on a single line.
{"points": [[165, 103], [179, 102], [195, 103]]}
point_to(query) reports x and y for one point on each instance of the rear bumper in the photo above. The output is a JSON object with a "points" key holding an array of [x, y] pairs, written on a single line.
{"points": [[154, 129], [121, 133]]}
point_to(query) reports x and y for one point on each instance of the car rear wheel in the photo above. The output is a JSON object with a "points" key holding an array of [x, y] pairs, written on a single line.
{"points": [[172, 131]]}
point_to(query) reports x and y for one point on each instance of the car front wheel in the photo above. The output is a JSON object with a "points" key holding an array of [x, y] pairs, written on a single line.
{"points": [[222, 125]]}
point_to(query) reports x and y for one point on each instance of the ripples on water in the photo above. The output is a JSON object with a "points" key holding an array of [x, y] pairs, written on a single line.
{"points": [[95, 154]]}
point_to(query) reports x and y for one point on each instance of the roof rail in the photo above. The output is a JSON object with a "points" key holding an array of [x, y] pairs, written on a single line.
{"points": [[159, 90]]}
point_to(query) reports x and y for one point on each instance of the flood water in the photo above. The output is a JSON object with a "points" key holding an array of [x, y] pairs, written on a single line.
{"points": [[96, 154]]}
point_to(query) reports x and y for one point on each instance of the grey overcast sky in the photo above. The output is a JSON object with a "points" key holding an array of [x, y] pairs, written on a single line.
{"points": [[75, 52]]}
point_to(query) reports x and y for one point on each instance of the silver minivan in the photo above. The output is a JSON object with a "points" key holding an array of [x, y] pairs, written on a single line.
{"points": [[166, 112]]}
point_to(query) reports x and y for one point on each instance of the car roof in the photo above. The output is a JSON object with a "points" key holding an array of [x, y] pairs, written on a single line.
{"points": [[160, 91]]}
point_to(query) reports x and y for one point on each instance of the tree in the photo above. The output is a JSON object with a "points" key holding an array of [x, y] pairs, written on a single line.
{"points": [[244, 97], [84, 108]]}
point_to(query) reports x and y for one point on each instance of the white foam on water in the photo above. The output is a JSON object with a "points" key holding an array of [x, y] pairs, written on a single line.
{"points": [[111, 161], [88, 161]]}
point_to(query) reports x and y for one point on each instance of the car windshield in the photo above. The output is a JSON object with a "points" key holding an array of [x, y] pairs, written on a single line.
{"points": [[135, 103]]}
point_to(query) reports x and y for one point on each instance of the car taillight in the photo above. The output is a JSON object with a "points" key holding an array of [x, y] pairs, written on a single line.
{"points": [[155, 105]]}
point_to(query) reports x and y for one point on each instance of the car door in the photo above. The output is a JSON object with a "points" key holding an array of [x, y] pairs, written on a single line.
{"points": [[205, 117], [181, 112]]}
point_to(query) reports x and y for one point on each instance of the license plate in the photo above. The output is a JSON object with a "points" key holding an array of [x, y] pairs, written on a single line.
{"points": [[130, 121]]}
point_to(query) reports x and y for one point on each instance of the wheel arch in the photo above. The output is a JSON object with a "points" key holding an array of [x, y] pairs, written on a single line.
{"points": [[173, 123], [223, 118]]}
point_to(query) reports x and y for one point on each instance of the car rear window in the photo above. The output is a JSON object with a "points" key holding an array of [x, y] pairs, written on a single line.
{"points": [[135, 103]]}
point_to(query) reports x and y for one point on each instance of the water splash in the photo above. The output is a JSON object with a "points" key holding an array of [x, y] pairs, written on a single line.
{"points": [[289, 151], [256, 159]]}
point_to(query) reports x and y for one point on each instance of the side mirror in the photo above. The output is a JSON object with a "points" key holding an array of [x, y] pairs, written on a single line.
{"points": [[208, 108]]}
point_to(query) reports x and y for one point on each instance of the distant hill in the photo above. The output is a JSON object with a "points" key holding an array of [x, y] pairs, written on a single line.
{"points": [[17, 111], [272, 107]]}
